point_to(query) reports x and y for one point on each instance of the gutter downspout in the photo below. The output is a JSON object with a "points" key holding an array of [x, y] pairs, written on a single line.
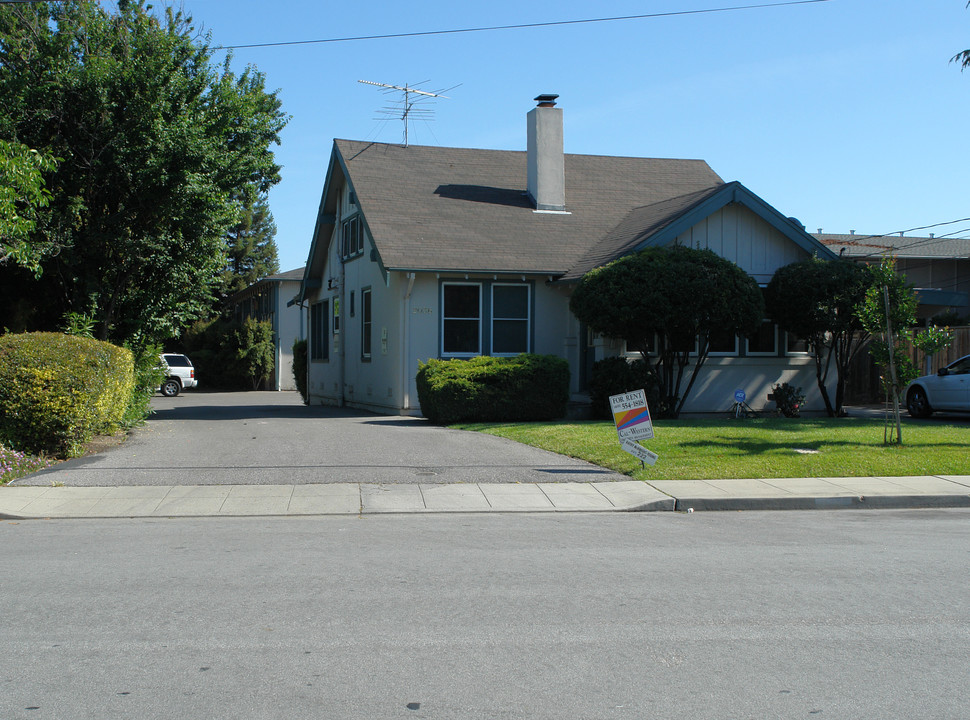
{"points": [[406, 350]]}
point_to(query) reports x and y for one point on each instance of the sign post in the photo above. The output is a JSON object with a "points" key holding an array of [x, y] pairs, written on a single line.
{"points": [[632, 418]]}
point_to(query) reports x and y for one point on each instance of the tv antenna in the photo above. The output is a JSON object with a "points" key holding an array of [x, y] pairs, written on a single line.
{"points": [[405, 107]]}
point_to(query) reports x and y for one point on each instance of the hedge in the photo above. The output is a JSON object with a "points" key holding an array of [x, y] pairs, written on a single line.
{"points": [[489, 389], [57, 391]]}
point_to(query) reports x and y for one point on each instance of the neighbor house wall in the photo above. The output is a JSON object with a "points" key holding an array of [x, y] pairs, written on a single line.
{"points": [[289, 326]]}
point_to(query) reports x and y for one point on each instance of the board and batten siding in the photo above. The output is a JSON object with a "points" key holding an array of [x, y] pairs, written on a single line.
{"points": [[736, 233]]}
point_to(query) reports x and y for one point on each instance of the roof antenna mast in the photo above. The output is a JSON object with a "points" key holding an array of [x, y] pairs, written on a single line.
{"points": [[405, 107]]}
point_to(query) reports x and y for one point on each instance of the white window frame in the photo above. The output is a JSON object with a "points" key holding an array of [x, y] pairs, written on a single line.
{"points": [[445, 318]]}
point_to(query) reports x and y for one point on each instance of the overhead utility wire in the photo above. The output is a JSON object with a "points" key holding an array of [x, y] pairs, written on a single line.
{"points": [[857, 240], [521, 25]]}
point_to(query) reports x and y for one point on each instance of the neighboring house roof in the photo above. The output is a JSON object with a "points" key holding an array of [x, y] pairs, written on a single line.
{"points": [[905, 246], [294, 275]]}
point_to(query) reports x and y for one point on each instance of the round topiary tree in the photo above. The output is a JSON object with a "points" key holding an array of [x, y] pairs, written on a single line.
{"points": [[675, 294], [818, 300]]}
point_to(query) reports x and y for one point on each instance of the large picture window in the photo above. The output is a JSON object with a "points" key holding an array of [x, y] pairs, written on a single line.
{"points": [[487, 318], [461, 319], [510, 319], [319, 341]]}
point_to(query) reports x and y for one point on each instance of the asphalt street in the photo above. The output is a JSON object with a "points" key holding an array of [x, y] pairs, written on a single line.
{"points": [[847, 614], [264, 438]]}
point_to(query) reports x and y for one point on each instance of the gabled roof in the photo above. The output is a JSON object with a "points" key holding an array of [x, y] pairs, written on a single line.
{"points": [[658, 224], [457, 209], [903, 246]]}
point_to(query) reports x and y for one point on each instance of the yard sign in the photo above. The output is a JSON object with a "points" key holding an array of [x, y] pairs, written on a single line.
{"points": [[632, 418]]}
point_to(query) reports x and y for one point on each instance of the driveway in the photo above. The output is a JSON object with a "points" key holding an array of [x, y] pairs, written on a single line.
{"points": [[246, 438]]}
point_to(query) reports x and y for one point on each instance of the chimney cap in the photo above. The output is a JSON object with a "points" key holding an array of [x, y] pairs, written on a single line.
{"points": [[546, 100]]}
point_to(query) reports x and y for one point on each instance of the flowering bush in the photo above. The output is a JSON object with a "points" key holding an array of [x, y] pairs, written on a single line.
{"points": [[15, 464], [788, 399]]}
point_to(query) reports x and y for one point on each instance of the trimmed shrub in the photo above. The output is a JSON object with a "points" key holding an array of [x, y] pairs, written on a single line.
{"points": [[616, 375], [489, 389], [57, 391], [300, 368]]}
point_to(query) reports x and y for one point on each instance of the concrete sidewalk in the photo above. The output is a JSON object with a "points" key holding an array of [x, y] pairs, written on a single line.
{"points": [[169, 501]]}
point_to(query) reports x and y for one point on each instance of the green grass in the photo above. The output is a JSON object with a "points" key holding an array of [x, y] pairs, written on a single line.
{"points": [[757, 448]]}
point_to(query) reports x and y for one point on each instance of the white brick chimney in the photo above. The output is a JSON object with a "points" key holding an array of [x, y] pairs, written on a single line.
{"points": [[547, 176]]}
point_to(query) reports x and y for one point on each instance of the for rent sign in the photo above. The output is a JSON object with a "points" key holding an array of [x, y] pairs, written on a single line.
{"points": [[632, 418]]}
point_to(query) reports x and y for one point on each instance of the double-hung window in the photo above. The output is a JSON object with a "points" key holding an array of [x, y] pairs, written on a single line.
{"points": [[487, 318], [510, 319], [461, 319]]}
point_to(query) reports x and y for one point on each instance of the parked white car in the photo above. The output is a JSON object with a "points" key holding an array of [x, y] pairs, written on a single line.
{"points": [[179, 374], [949, 389]]}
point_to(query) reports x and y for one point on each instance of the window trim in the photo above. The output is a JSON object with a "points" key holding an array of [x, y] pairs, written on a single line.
{"points": [[485, 320], [444, 319]]}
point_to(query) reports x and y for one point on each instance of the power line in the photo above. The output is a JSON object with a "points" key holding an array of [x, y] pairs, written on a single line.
{"points": [[520, 26], [859, 239]]}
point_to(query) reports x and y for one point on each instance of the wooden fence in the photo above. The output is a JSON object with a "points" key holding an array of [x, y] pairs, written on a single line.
{"points": [[864, 385]]}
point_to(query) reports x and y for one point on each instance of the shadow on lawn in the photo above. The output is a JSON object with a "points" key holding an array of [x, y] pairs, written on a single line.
{"points": [[762, 446]]}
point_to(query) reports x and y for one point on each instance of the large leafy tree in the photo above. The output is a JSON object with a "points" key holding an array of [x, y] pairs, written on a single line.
{"points": [[674, 296], [22, 194], [155, 142], [817, 300]]}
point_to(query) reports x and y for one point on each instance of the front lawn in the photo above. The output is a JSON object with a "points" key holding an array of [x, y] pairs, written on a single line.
{"points": [[757, 448]]}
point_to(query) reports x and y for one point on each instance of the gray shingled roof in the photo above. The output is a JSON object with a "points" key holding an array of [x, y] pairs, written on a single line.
{"points": [[431, 208], [296, 274], [856, 245], [638, 225]]}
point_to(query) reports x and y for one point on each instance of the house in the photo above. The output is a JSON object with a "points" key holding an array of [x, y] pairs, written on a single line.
{"points": [[431, 252], [267, 299], [939, 267]]}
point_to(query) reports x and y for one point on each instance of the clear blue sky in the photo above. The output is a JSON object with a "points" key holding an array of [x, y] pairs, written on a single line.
{"points": [[846, 114]]}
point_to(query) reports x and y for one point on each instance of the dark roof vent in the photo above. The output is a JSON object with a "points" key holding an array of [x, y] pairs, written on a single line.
{"points": [[546, 100]]}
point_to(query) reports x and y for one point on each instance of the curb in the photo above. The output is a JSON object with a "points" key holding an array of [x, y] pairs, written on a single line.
{"points": [[838, 502]]}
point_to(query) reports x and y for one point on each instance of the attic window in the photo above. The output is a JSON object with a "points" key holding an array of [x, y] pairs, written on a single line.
{"points": [[352, 237]]}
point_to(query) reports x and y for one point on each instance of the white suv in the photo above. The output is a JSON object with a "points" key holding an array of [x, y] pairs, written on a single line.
{"points": [[179, 374]]}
